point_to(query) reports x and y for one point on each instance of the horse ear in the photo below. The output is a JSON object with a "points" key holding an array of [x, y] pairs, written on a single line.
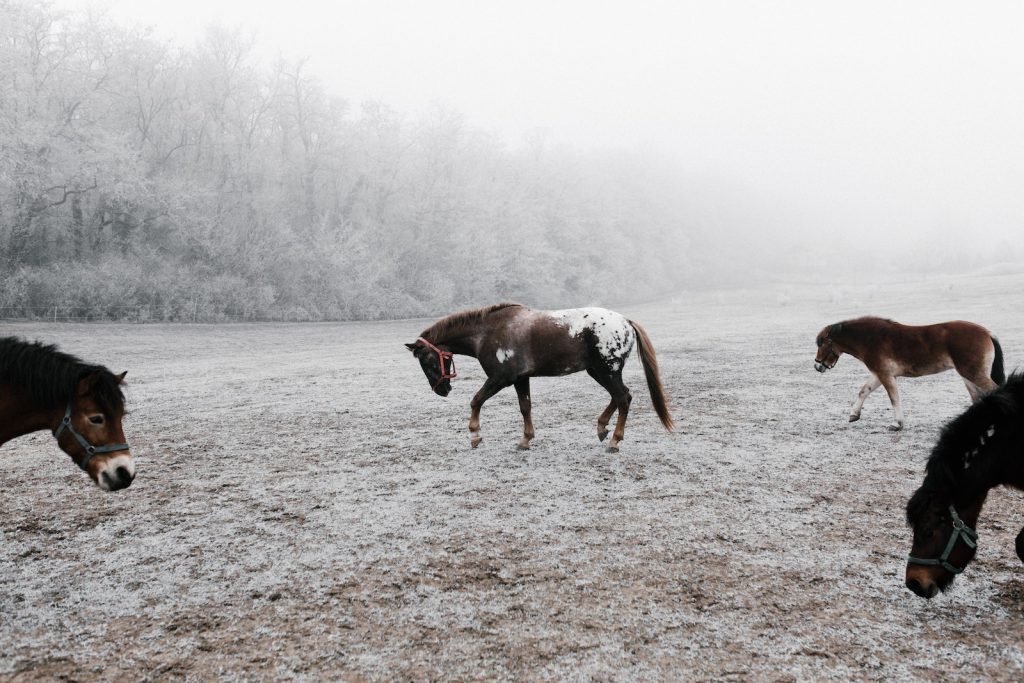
{"points": [[120, 378], [411, 347]]}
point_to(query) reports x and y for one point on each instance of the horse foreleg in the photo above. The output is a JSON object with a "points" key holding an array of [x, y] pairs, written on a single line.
{"points": [[603, 419], [523, 390], [490, 388], [862, 396], [889, 382]]}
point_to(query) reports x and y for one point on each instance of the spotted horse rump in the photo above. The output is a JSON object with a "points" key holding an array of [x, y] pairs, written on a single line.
{"points": [[514, 343]]}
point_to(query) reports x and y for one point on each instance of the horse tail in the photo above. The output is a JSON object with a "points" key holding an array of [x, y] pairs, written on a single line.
{"points": [[998, 373], [650, 363]]}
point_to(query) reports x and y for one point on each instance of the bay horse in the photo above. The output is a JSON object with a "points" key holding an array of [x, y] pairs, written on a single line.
{"points": [[514, 343], [977, 451], [82, 405], [892, 350]]}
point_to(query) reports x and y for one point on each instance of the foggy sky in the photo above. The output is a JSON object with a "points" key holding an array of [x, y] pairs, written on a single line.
{"points": [[870, 123]]}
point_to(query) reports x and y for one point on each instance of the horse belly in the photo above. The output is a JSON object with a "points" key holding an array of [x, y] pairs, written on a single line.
{"points": [[556, 367], [929, 367]]}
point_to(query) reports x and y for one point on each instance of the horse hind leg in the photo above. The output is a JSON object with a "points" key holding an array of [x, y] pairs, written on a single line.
{"points": [[523, 390], [620, 425], [889, 382], [622, 398], [978, 384], [974, 371], [973, 389], [604, 418]]}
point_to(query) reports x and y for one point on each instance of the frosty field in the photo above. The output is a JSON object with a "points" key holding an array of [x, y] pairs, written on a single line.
{"points": [[306, 508]]}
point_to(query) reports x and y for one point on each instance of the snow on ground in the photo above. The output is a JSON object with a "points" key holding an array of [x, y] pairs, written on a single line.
{"points": [[305, 507]]}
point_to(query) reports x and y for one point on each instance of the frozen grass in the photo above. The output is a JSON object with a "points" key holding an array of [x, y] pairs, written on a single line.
{"points": [[306, 508]]}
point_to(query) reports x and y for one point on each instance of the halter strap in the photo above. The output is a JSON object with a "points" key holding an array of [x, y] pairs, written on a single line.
{"points": [[90, 450], [831, 352], [960, 531], [441, 356]]}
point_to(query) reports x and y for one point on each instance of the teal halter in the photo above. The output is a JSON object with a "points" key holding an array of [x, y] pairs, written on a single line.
{"points": [[90, 450], [960, 531]]}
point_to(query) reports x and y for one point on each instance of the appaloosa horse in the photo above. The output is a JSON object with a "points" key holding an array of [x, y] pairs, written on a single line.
{"points": [[42, 388], [977, 451], [514, 343], [892, 350]]}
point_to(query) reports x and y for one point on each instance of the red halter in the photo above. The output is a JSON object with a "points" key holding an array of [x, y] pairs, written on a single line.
{"points": [[441, 356]]}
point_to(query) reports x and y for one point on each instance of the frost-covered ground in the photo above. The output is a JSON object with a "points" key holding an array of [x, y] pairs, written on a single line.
{"points": [[306, 508]]}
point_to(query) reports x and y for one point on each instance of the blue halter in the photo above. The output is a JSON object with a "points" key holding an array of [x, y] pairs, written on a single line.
{"points": [[960, 531], [90, 450]]}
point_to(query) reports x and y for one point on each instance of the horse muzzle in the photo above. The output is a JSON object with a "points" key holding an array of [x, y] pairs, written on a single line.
{"points": [[925, 588], [116, 472], [820, 367]]}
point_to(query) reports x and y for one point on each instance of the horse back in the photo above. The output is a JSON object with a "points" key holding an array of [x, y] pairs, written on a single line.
{"points": [[916, 350], [529, 342]]}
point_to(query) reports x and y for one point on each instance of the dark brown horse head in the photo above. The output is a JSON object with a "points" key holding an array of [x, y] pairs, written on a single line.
{"points": [[91, 431], [944, 540], [829, 349], [437, 364]]}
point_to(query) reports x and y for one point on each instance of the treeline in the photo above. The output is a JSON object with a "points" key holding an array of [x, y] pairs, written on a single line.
{"points": [[134, 172]]}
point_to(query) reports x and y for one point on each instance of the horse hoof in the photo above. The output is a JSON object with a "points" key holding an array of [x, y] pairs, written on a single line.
{"points": [[523, 447], [612, 449], [896, 427], [601, 436], [854, 418], [475, 441]]}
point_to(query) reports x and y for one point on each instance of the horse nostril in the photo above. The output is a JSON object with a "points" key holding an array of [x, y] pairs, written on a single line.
{"points": [[123, 474], [918, 588]]}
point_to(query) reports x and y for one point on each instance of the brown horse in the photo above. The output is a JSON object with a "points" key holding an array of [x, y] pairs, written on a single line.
{"points": [[977, 451], [514, 343], [892, 350], [42, 388]]}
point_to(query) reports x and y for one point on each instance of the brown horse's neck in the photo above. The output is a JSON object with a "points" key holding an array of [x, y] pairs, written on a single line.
{"points": [[464, 331], [19, 416], [462, 340], [850, 339]]}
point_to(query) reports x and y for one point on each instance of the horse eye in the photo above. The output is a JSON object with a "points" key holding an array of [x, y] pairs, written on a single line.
{"points": [[96, 419]]}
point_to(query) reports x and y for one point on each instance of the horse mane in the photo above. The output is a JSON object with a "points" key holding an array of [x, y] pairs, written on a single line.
{"points": [[969, 454], [455, 321], [857, 327], [50, 377], [836, 331]]}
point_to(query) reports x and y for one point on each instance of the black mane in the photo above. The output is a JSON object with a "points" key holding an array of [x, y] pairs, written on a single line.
{"points": [[973, 448], [51, 377], [879, 326], [457, 320]]}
